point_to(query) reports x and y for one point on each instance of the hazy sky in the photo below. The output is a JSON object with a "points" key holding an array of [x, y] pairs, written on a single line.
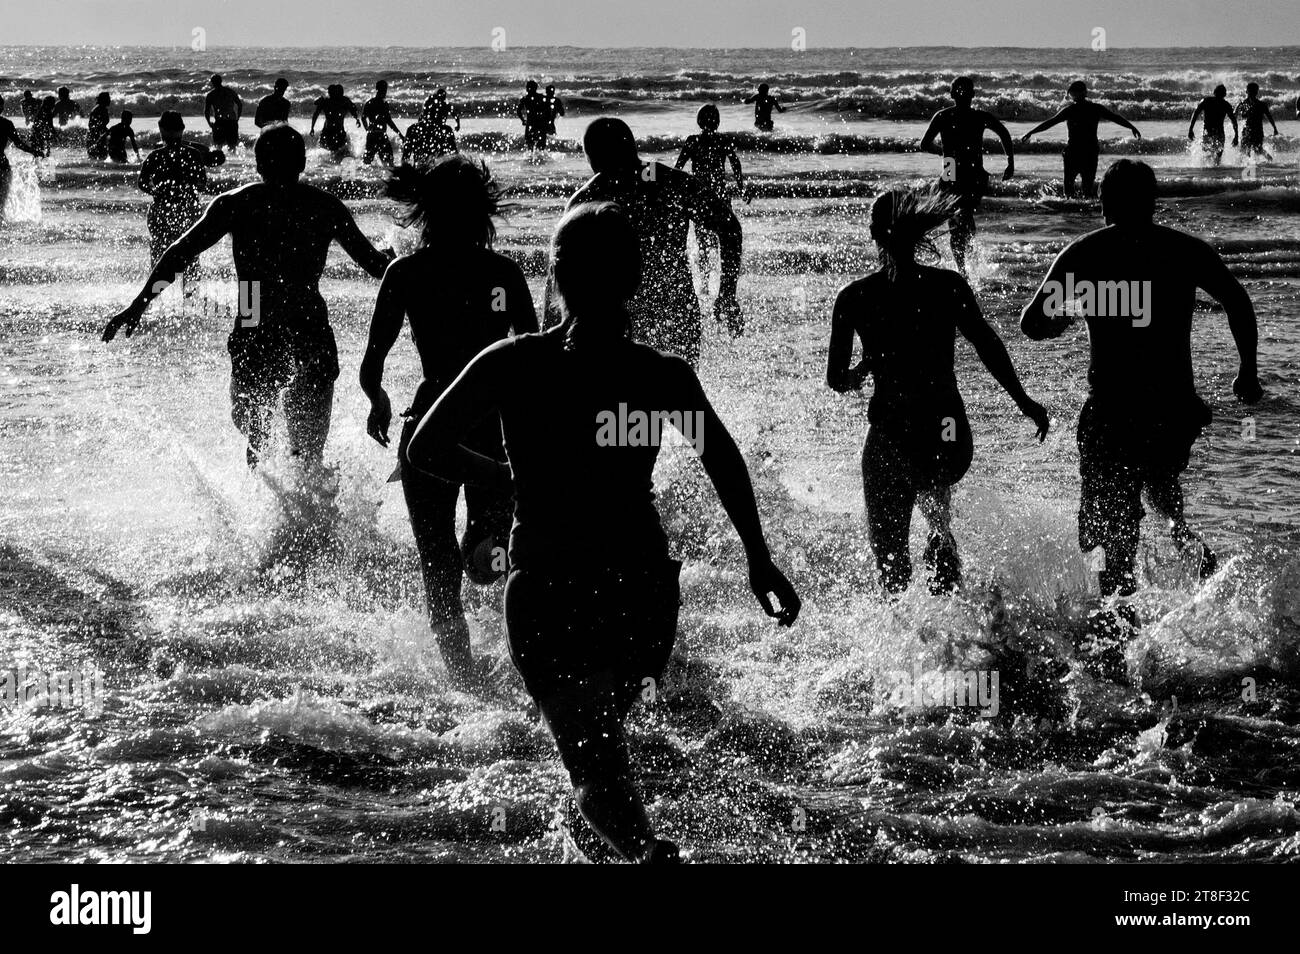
{"points": [[688, 23]]}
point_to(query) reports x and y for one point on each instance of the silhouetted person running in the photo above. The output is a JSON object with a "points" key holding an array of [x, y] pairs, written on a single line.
{"points": [[280, 231], [222, 108], [1081, 147], [9, 135], [960, 130], [763, 106], [1212, 111], [1142, 414], [709, 153], [65, 107], [335, 107], [919, 444], [377, 119], [176, 176], [1252, 111], [534, 113], [554, 109], [118, 136], [428, 138], [97, 128], [30, 106], [592, 597], [662, 203], [273, 107], [459, 296]]}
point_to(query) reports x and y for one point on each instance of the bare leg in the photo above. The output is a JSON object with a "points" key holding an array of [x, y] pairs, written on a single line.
{"points": [[1166, 496], [308, 403], [941, 551]]}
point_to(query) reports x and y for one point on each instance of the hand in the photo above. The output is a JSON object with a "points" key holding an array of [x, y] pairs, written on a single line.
{"points": [[127, 318], [1025, 137], [1246, 385], [381, 416], [1136, 134], [1038, 414], [767, 581], [1191, 137], [727, 311]]}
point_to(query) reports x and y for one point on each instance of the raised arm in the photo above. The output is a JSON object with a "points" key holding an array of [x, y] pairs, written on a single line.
{"points": [[1046, 124], [726, 468], [839, 376], [975, 329], [1213, 276], [205, 233]]}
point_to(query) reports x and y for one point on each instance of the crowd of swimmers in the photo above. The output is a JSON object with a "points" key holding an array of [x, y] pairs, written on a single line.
{"points": [[592, 595]]}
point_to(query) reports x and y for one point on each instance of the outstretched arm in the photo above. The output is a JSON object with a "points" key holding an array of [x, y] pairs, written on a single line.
{"points": [[975, 329], [1213, 277], [1046, 124], [205, 233], [839, 376], [1119, 120], [385, 326], [726, 468]]}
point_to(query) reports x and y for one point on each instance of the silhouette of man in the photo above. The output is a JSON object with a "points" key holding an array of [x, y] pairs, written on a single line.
{"points": [[1143, 414], [1252, 111], [334, 136], [273, 107], [661, 203], [280, 230], [376, 119], [97, 128], [1081, 147], [9, 135], [1212, 111], [222, 108], [763, 106], [960, 130], [534, 113]]}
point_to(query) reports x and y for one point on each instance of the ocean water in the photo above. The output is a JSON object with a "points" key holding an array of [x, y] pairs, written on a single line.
{"points": [[271, 691]]}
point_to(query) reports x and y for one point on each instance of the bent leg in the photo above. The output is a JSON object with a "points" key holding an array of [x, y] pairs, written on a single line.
{"points": [[941, 551]]}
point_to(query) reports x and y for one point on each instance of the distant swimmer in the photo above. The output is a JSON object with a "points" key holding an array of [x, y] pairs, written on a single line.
{"points": [[662, 203], [280, 230], [1213, 110], [427, 138], [441, 110], [1252, 111], [377, 119], [1082, 148], [535, 114], [222, 109], [30, 107], [961, 132], [459, 297], [65, 107], [554, 109], [97, 128], [1134, 284], [593, 597], [273, 107], [8, 135], [335, 107], [176, 176], [118, 135], [919, 445], [763, 106], [709, 153], [43, 127]]}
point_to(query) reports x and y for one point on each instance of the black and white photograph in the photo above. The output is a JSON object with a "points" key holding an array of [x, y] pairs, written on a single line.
{"points": [[602, 432]]}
